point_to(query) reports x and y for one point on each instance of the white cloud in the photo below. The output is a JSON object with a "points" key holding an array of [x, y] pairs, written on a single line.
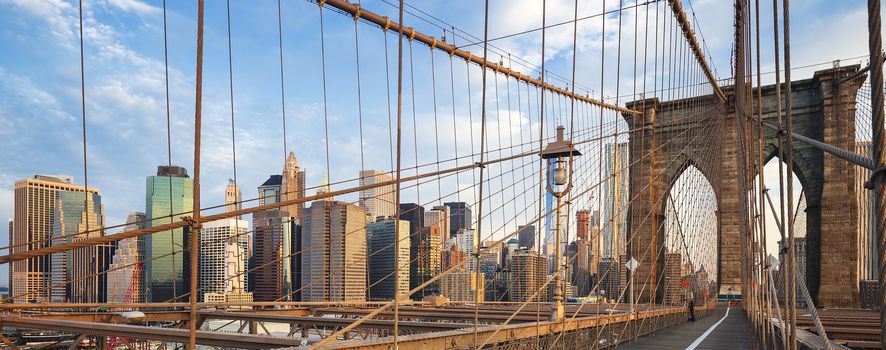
{"points": [[134, 6]]}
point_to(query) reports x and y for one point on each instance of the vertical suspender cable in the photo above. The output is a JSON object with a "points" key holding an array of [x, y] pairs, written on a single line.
{"points": [[789, 145], [397, 184], [541, 167], [237, 199], [168, 153], [325, 104], [195, 226], [875, 47], [765, 309], [282, 87], [482, 171], [781, 158], [83, 115]]}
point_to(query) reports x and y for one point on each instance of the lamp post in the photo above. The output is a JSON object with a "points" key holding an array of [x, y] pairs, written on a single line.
{"points": [[559, 183]]}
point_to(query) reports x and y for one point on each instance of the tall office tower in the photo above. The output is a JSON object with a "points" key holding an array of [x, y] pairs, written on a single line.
{"points": [[334, 254], [623, 275], [415, 214], [506, 253], [295, 259], [271, 243], [452, 257], [169, 195], [233, 197], [868, 244], [75, 220], [233, 201], [426, 250], [130, 252], [489, 266], [526, 236], [582, 224], [609, 274], [595, 218], [460, 217], [528, 275], [595, 247], [293, 187], [466, 241], [378, 201], [615, 199], [423, 242], [382, 256], [51, 210], [584, 266], [438, 216], [220, 254], [463, 286], [673, 278]]}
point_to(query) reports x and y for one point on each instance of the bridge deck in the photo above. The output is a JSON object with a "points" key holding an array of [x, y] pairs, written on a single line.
{"points": [[731, 333]]}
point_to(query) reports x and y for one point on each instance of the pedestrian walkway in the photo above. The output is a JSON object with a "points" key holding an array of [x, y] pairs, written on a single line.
{"points": [[724, 328]]}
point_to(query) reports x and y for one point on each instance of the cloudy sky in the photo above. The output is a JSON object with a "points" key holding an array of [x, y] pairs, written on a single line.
{"points": [[126, 124]]}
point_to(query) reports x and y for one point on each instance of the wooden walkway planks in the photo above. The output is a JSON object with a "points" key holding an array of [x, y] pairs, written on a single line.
{"points": [[732, 333]]}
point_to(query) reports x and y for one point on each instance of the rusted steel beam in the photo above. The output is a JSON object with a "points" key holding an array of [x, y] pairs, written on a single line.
{"points": [[686, 27], [410, 33], [153, 333]]}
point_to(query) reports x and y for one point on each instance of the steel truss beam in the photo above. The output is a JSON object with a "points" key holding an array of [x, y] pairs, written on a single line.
{"points": [[177, 335]]}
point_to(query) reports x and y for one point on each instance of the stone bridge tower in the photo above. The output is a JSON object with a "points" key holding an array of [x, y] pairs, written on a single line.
{"points": [[702, 132]]}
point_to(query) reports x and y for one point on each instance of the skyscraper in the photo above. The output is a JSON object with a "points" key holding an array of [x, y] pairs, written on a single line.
{"points": [[77, 218], [169, 195], [452, 257], [460, 217], [528, 275], [221, 257], [293, 187], [233, 197], [438, 216], [426, 251], [129, 253], [526, 236], [51, 210], [381, 240], [462, 286], [489, 266], [609, 273], [424, 241], [615, 198], [233, 202], [466, 241], [584, 265], [271, 243], [582, 223], [378, 201], [334, 254]]}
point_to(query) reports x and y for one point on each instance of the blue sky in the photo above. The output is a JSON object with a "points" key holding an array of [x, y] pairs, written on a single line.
{"points": [[40, 120]]}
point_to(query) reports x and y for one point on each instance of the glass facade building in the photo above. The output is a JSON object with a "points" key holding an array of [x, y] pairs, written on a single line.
{"points": [[380, 238], [272, 243], [169, 196]]}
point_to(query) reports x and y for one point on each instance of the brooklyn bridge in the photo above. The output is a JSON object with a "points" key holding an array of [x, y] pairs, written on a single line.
{"points": [[602, 184]]}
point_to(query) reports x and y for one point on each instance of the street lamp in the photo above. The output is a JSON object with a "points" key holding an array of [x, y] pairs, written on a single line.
{"points": [[559, 183]]}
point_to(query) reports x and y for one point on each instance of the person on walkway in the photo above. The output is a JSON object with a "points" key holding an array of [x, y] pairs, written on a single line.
{"points": [[691, 310]]}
